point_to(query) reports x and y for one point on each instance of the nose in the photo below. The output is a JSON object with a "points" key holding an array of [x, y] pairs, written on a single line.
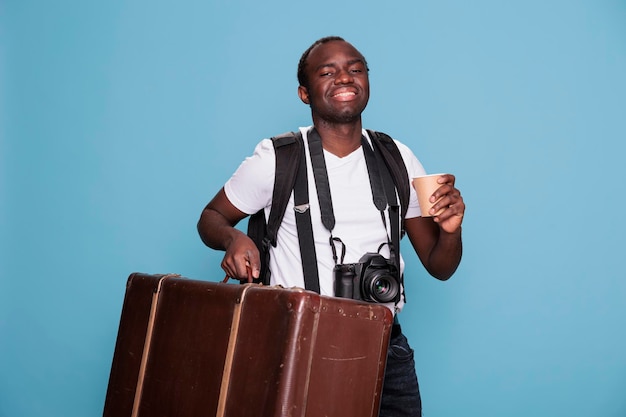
{"points": [[344, 77]]}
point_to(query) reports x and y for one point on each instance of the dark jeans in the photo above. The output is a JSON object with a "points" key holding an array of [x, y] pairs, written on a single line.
{"points": [[401, 393]]}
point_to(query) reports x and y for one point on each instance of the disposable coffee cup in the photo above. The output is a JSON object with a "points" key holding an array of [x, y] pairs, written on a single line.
{"points": [[425, 186]]}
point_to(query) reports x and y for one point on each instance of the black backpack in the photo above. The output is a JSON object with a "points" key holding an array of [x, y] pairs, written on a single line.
{"points": [[288, 150]]}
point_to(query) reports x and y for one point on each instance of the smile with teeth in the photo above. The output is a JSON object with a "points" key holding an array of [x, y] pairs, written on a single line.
{"points": [[345, 94]]}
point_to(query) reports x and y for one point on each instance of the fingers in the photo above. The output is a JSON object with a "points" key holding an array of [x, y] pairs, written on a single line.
{"points": [[447, 179], [451, 218], [449, 202], [444, 198], [244, 266]]}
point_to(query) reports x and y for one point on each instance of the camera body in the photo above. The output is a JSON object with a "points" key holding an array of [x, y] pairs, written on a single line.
{"points": [[374, 279]]}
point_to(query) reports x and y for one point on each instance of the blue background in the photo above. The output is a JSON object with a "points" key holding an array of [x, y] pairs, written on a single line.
{"points": [[120, 119]]}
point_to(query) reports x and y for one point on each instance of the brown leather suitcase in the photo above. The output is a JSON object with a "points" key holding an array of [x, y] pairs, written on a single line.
{"points": [[189, 348]]}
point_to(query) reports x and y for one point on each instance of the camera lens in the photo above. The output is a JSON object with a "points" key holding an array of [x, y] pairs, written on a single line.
{"points": [[381, 288]]}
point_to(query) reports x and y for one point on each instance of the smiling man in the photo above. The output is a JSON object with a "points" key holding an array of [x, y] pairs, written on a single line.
{"points": [[334, 82]]}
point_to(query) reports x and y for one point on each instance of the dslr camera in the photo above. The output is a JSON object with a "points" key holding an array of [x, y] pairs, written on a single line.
{"points": [[374, 279]]}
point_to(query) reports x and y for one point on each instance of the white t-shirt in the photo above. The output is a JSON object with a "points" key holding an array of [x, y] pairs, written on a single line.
{"points": [[358, 222]]}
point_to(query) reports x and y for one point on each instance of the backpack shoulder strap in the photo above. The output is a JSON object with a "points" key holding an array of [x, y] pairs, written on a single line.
{"points": [[287, 148], [393, 159]]}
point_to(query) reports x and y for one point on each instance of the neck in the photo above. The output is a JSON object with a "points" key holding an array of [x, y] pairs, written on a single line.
{"points": [[339, 139]]}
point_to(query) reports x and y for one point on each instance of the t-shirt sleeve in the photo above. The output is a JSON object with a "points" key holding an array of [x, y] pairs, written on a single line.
{"points": [[414, 168], [251, 186]]}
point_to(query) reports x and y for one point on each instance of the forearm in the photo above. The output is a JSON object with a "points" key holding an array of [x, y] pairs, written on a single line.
{"points": [[445, 256], [215, 230]]}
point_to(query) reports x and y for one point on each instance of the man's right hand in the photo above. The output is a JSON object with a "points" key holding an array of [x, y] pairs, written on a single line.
{"points": [[217, 230], [242, 260]]}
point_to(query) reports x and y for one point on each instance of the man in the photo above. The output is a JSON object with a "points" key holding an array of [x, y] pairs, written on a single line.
{"points": [[334, 82]]}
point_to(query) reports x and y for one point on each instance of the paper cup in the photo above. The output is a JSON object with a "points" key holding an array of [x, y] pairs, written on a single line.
{"points": [[425, 186]]}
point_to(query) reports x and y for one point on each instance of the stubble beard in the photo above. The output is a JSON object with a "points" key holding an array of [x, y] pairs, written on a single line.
{"points": [[344, 116]]}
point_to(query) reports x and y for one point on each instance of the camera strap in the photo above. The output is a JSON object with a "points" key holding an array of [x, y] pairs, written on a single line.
{"points": [[305, 227], [394, 209], [320, 174], [383, 193]]}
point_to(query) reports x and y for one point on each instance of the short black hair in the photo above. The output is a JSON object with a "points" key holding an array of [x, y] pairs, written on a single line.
{"points": [[302, 78]]}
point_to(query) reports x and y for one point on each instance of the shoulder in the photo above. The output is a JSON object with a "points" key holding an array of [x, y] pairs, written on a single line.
{"points": [[266, 149], [389, 142], [413, 165], [286, 138], [386, 138]]}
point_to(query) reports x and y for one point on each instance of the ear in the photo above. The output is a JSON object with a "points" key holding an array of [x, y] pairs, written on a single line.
{"points": [[303, 93]]}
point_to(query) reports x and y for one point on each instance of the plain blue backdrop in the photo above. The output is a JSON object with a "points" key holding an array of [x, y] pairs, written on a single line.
{"points": [[119, 120]]}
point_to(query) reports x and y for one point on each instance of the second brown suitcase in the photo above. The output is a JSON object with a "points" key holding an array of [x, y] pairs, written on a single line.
{"points": [[190, 348]]}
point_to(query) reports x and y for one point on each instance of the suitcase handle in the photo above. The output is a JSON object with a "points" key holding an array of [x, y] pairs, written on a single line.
{"points": [[248, 270]]}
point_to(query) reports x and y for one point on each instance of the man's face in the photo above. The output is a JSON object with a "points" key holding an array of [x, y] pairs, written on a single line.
{"points": [[338, 83]]}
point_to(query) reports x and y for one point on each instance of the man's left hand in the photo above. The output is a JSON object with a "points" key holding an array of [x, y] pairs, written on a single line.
{"points": [[449, 199]]}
